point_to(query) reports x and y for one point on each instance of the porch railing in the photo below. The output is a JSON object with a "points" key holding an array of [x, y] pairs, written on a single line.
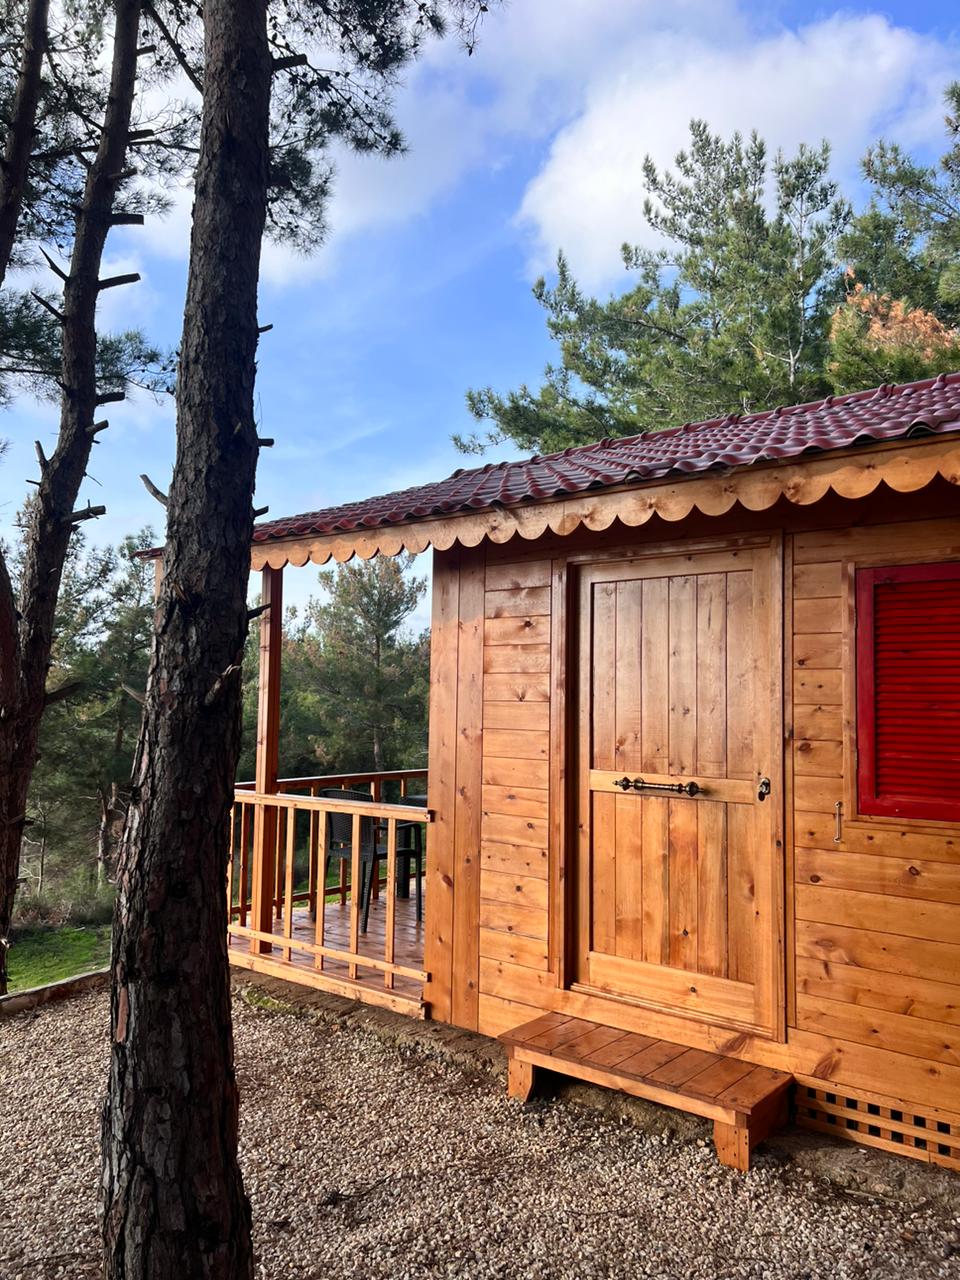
{"points": [[277, 895]]}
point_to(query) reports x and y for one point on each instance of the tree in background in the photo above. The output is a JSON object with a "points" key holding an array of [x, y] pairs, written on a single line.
{"points": [[173, 1205], [355, 679], [370, 681], [907, 243], [767, 292], [83, 174], [80, 786], [875, 339], [54, 87], [729, 315]]}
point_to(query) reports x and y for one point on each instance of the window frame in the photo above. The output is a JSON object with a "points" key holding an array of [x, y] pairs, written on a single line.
{"points": [[868, 802]]}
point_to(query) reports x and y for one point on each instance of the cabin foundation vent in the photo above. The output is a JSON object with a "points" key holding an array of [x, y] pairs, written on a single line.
{"points": [[921, 1133]]}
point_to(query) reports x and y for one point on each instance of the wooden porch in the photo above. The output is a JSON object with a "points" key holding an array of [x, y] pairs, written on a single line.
{"points": [[310, 858], [296, 902], [302, 965]]}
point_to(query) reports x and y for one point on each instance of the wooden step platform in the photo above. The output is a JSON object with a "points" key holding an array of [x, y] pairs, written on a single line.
{"points": [[745, 1102]]}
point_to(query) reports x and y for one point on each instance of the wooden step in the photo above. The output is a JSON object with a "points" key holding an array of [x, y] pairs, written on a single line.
{"points": [[745, 1102]]}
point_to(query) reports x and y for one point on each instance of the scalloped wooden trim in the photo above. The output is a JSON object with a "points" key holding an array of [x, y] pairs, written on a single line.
{"points": [[903, 466]]}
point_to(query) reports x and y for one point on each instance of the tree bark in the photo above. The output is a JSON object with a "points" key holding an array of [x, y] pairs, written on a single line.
{"points": [[173, 1197], [23, 124], [23, 684]]}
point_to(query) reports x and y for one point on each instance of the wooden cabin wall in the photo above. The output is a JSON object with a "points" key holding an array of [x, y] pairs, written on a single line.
{"points": [[872, 991], [876, 913]]}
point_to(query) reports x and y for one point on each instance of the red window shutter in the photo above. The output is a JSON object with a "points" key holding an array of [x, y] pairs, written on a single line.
{"points": [[908, 691]]}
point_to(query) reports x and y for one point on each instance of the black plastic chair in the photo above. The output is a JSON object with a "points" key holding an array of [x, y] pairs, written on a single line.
{"points": [[340, 845], [410, 849]]}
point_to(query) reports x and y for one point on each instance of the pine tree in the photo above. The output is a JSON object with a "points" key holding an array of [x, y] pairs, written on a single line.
{"points": [[907, 243], [173, 1205], [370, 680], [730, 316]]}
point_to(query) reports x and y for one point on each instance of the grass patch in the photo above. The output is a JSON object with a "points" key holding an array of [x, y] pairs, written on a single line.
{"points": [[45, 954]]}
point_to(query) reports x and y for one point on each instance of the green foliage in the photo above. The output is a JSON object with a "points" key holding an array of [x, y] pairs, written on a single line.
{"points": [[345, 58], [922, 207], [353, 697], [371, 681], [354, 682], [766, 291], [79, 787], [73, 97], [728, 316]]}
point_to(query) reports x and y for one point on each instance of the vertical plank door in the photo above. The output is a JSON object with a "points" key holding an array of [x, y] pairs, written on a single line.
{"points": [[679, 682]]}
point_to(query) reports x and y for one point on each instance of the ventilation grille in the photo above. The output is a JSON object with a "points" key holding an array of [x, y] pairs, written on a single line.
{"points": [[930, 1135]]}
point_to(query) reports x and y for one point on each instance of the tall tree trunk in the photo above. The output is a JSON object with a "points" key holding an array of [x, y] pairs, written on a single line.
{"points": [[173, 1197], [23, 124], [53, 519]]}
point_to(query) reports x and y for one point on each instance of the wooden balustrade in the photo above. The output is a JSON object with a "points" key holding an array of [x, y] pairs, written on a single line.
{"points": [[280, 905], [373, 780]]}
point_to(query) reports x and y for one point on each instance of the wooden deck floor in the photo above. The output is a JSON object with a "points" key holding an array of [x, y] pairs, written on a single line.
{"points": [[408, 951]]}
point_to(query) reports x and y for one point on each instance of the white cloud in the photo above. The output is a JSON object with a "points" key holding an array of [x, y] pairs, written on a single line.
{"points": [[848, 79], [535, 62], [609, 83]]}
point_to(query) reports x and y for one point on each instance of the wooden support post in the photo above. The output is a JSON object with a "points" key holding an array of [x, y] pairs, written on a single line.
{"points": [[267, 765], [732, 1142], [520, 1078]]}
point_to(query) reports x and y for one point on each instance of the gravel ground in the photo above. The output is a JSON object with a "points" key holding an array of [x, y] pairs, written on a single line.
{"points": [[389, 1163]]}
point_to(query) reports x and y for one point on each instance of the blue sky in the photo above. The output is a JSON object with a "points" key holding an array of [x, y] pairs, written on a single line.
{"points": [[422, 288]]}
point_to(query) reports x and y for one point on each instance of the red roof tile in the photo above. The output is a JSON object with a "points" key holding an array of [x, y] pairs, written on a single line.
{"points": [[887, 413]]}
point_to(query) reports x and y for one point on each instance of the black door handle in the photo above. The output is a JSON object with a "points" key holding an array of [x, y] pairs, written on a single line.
{"points": [[677, 788]]}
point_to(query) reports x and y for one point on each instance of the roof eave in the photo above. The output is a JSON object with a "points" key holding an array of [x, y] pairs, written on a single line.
{"points": [[904, 464]]}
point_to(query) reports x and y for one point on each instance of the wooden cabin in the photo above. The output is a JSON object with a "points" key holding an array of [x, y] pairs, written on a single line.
{"points": [[693, 823]]}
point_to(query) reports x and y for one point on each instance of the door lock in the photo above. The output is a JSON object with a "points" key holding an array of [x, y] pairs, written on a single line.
{"points": [[763, 790]]}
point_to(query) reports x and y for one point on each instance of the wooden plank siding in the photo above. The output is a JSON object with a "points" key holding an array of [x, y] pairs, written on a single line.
{"points": [[877, 911], [515, 810], [872, 963]]}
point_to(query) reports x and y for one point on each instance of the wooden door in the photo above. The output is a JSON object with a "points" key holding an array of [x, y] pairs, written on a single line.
{"points": [[678, 895]]}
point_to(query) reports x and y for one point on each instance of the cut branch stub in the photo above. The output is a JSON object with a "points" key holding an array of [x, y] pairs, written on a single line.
{"points": [[57, 270], [96, 427], [259, 511], [255, 613], [265, 442], [111, 397], [41, 456], [264, 328], [218, 685], [291, 60], [111, 282], [86, 513], [152, 489], [48, 306], [126, 219], [53, 696]]}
